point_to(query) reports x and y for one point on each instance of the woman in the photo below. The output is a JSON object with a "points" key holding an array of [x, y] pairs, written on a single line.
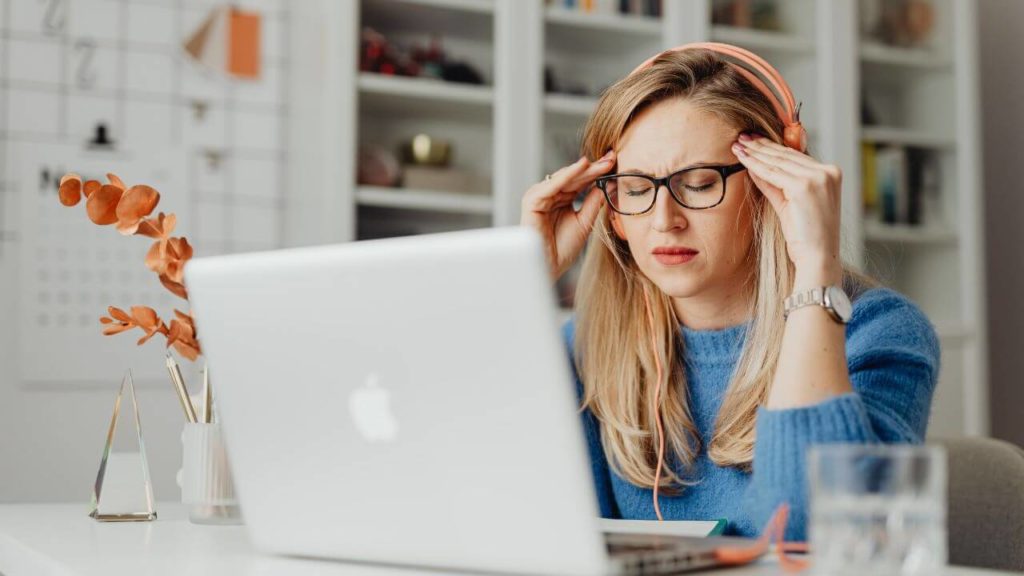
{"points": [[693, 376]]}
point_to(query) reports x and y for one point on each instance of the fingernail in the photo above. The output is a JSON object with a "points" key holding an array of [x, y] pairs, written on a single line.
{"points": [[607, 156], [746, 137]]}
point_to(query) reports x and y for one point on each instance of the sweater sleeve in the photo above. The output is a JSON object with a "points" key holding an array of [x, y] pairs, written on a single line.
{"points": [[893, 358], [598, 463]]}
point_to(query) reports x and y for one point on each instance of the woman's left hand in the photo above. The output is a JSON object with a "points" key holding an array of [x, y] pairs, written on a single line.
{"points": [[806, 195]]}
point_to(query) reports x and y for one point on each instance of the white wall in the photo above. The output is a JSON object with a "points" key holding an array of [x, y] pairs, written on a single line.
{"points": [[1003, 122], [65, 65]]}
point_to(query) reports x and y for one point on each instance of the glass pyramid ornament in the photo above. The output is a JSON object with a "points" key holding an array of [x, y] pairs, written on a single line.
{"points": [[123, 492]]}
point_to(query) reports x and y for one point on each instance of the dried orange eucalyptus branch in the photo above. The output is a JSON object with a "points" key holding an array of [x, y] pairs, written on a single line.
{"points": [[128, 208]]}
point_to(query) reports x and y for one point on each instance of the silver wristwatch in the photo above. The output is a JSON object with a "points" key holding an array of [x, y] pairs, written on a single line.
{"points": [[831, 298]]}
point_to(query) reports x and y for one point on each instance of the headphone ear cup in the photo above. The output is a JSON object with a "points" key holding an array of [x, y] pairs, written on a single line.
{"points": [[795, 137]]}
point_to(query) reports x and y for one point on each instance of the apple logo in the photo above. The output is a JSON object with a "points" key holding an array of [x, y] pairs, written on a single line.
{"points": [[370, 406]]}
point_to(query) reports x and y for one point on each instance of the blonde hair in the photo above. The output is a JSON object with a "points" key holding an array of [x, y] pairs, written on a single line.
{"points": [[613, 349]]}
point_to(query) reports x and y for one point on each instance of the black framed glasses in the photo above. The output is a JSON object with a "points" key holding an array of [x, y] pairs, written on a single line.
{"points": [[697, 188]]}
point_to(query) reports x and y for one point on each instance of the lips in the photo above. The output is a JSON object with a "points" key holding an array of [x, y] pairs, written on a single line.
{"points": [[673, 255]]}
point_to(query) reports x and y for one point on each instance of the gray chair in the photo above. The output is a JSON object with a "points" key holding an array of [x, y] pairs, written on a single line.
{"points": [[986, 503]]}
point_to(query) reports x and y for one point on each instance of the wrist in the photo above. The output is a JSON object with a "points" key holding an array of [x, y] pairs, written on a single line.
{"points": [[822, 274]]}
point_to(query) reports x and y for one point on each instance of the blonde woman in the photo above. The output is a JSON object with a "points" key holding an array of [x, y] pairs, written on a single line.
{"points": [[714, 337]]}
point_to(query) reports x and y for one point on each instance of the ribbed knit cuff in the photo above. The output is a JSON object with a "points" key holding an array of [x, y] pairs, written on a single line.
{"points": [[783, 436]]}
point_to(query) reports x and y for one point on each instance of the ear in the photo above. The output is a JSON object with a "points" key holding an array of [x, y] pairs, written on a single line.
{"points": [[613, 218]]}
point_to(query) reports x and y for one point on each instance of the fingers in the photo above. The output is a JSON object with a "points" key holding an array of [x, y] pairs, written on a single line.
{"points": [[565, 183], [775, 150], [591, 207], [774, 194], [769, 172]]}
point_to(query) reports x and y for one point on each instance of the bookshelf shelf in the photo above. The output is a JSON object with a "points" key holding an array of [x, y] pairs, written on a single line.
{"points": [[397, 94], [470, 6], [906, 137], [955, 332], [430, 200], [567, 105], [765, 40], [875, 231], [878, 53], [620, 24]]}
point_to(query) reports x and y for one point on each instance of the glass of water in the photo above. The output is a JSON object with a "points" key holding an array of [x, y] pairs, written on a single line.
{"points": [[877, 509]]}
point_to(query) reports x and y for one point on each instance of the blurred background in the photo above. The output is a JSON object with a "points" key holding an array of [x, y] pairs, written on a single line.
{"points": [[268, 123]]}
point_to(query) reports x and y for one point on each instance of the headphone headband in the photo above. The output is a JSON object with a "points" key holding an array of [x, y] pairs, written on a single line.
{"points": [[781, 98]]}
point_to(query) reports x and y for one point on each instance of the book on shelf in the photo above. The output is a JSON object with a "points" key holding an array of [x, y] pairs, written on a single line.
{"points": [[650, 8], [898, 184]]}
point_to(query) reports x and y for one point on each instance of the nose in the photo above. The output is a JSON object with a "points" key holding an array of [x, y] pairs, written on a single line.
{"points": [[667, 214]]}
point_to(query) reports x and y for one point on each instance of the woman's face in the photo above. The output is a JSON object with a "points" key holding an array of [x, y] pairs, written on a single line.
{"points": [[669, 136]]}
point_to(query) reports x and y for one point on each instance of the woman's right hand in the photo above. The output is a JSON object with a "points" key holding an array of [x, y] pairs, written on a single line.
{"points": [[547, 207]]}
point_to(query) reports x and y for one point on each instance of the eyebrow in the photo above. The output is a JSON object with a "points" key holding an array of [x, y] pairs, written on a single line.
{"points": [[696, 165]]}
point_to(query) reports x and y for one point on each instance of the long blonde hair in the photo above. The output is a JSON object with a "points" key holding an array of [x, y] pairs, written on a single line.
{"points": [[613, 349]]}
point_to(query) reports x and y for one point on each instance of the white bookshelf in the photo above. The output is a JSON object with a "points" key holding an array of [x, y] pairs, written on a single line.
{"points": [[512, 132], [763, 41], [431, 200]]}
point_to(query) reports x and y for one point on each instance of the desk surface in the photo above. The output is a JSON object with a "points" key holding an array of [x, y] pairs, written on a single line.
{"points": [[61, 540]]}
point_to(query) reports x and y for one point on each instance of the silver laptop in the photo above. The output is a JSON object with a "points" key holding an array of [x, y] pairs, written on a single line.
{"points": [[409, 401]]}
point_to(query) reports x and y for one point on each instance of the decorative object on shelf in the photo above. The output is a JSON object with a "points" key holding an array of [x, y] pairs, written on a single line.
{"points": [[128, 209], [648, 8], [377, 54], [757, 14], [228, 41], [377, 167], [123, 491], [905, 23], [424, 150], [446, 179], [427, 166]]}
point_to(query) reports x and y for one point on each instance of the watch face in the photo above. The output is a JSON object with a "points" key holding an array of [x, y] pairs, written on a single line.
{"points": [[840, 303]]}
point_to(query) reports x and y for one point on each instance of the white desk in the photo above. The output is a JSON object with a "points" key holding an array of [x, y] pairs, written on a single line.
{"points": [[61, 540]]}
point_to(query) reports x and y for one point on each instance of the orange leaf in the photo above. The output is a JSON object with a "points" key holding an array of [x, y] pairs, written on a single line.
{"points": [[115, 181], [91, 186], [119, 314], [182, 249], [149, 228], [187, 350], [116, 329], [155, 258], [145, 316], [146, 338], [168, 224], [137, 203], [70, 190], [180, 330], [176, 288], [102, 205]]}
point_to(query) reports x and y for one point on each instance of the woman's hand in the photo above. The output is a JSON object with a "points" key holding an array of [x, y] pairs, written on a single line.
{"points": [[547, 207], [806, 196]]}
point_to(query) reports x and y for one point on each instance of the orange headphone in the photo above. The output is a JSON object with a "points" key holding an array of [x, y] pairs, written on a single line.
{"points": [[794, 136]]}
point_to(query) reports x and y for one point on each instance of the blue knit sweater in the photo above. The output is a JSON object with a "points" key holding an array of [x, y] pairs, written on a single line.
{"points": [[893, 357]]}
